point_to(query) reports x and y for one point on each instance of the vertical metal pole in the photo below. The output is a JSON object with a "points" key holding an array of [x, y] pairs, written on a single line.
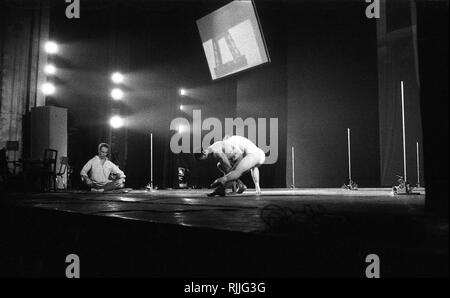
{"points": [[293, 168], [418, 165], [151, 160], [404, 138], [125, 149], [349, 156]]}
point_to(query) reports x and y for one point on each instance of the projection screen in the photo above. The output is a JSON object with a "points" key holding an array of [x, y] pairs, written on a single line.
{"points": [[232, 39]]}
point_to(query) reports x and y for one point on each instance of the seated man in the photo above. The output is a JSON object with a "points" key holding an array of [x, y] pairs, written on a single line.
{"points": [[100, 168]]}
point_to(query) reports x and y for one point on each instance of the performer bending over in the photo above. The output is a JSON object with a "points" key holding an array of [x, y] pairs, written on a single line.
{"points": [[227, 163], [245, 156]]}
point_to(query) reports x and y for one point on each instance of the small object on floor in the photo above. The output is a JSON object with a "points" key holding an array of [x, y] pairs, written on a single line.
{"points": [[219, 191], [241, 187]]}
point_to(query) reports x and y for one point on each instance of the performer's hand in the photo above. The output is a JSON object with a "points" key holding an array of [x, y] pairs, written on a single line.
{"points": [[120, 182], [88, 182], [217, 182]]}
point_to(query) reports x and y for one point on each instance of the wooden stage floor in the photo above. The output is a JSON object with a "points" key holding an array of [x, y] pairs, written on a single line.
{"points": [[243, 213], [183, 233]]}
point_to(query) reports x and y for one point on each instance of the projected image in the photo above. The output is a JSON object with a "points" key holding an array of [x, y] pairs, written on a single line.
{"points": [[232, 39]]}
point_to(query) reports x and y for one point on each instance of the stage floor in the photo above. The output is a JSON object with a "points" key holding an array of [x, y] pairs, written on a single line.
{"points": [[179, 233], [240, 213]]}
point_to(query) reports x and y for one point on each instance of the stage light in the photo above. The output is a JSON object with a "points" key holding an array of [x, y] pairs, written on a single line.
{"points": [[182, 92], [48, 88], [181, 107], [117, 94], [116, 121], [117, 77], [51, 47], [50, 69]]}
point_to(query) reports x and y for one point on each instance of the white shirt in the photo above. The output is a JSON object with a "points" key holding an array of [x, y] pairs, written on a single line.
{"points": [[100, 173]]}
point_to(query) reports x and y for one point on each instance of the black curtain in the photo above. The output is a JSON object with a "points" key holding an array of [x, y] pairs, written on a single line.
{"points": [[432, 26]]}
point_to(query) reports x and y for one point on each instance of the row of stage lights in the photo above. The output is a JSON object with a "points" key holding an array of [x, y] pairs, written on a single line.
{"points": [[48, 88], [116, 121], [117, 94], [117, 78]]}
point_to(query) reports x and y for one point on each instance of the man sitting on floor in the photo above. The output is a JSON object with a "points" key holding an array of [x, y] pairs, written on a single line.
{"points": [[100, 168]]}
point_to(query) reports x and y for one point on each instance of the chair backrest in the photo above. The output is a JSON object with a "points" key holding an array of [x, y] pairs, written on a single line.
{"points": [[50, 157]]}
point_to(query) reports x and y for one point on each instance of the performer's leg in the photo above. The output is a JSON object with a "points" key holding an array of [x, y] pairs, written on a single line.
{"points": [[237, 186], [115, 184], [96, 186], [241, 186], [255, 176], [222, 168], [247, 163]]}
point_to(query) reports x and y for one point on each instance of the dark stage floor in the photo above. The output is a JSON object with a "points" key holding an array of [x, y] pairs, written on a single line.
{"points": [[183, 233], [240, 213]]}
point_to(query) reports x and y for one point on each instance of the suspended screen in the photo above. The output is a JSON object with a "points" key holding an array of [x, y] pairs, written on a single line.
{"points": [[232, 39]]}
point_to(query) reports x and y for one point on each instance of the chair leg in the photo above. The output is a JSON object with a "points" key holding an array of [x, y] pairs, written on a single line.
{"points": [[53, 179]]}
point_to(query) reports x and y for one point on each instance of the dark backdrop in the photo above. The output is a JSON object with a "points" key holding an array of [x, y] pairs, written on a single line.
{"points": [[332, 86], [322, 79]]}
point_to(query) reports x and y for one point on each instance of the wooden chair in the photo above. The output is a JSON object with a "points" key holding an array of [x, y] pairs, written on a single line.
{"points": [[46, 170]]}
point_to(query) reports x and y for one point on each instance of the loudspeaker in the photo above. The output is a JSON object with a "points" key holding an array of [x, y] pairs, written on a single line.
{"points": [[48, 131]]}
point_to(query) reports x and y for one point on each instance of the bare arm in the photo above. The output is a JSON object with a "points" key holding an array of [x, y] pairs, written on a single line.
{"points": [[237, 160], [115, 170]]}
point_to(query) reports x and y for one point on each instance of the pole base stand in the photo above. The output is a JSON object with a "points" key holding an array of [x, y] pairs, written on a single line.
{"points": [[149, 187], [352, 185], [403, 188]]}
